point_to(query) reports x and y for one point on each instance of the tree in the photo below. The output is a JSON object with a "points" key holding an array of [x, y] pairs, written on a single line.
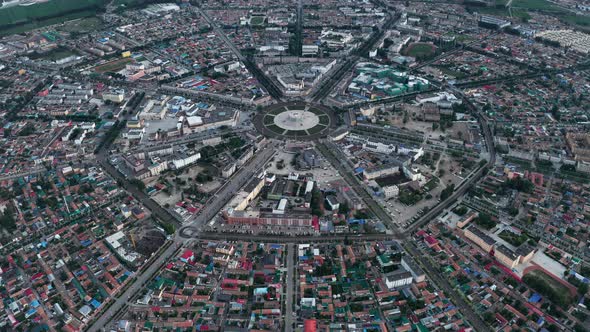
{"points": [[446, 193], [520, 184], [169, 228], [138, 184], [343, 208], [7, 220], [485, 220]]}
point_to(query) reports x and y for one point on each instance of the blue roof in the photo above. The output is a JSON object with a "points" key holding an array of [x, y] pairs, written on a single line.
{"points": [[31, 312], [95, 303], [535, 298], [357, 221]]}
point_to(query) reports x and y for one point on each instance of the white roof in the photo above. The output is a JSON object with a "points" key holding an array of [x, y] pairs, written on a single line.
{"points": [[194, 120]]}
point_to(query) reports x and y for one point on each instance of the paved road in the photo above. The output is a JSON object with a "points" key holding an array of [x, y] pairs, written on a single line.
{"points": [[154, 207], [289, 287], [268, 84], [346, 172], [435, 275], [208, 212], [226, 193], [335, 77], [101, 323], [246, 173]]}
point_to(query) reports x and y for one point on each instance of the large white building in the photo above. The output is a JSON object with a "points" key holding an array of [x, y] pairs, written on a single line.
{"points": [[116, 95], [184, 160], [390, 191], [398, 279]]}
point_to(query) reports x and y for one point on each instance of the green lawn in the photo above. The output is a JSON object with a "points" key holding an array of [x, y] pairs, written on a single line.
{"points": [[257, 20], [276, 129], [277, 111], [316, 129], [268, 119], [324, 119]]}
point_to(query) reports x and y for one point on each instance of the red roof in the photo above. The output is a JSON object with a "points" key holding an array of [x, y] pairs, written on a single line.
{"points": [[430, 240], [310, 325], [37, 276], [187, 254]]}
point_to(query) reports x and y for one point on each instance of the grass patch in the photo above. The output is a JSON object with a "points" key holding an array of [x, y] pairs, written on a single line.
{"points": [[316, 129], [296, 108], [324, 119], [549, 287], [433, 183], [276, 111], [112, 66], [276, 129], [268, 120], [316, 111], [295, 133], [257, 20]]}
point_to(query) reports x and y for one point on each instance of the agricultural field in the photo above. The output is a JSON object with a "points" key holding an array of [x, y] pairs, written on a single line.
{"points": [[81, 25], [50, 9]]}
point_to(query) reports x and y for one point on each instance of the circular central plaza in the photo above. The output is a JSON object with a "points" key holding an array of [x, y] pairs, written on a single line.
{"points": [[295, 120]]}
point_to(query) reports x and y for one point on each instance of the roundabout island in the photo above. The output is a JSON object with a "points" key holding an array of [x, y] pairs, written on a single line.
{"points": [[295, 120]]}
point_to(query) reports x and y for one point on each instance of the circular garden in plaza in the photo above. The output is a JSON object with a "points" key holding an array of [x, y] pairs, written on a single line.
{"points": [[295, 120]]}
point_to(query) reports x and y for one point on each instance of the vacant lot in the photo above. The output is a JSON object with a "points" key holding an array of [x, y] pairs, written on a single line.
{"points": [[81, 25], [55, 54], [113, 66], [549, 287]]}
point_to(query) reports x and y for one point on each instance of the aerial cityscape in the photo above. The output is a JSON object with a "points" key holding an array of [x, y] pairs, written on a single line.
{"points": [[295, 165]]}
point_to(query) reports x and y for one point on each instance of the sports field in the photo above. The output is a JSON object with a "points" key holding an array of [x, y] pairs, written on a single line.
{"points": [[419, 50]]}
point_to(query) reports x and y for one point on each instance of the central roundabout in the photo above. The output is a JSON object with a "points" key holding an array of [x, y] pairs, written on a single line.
{"points": [[295, 120]]}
